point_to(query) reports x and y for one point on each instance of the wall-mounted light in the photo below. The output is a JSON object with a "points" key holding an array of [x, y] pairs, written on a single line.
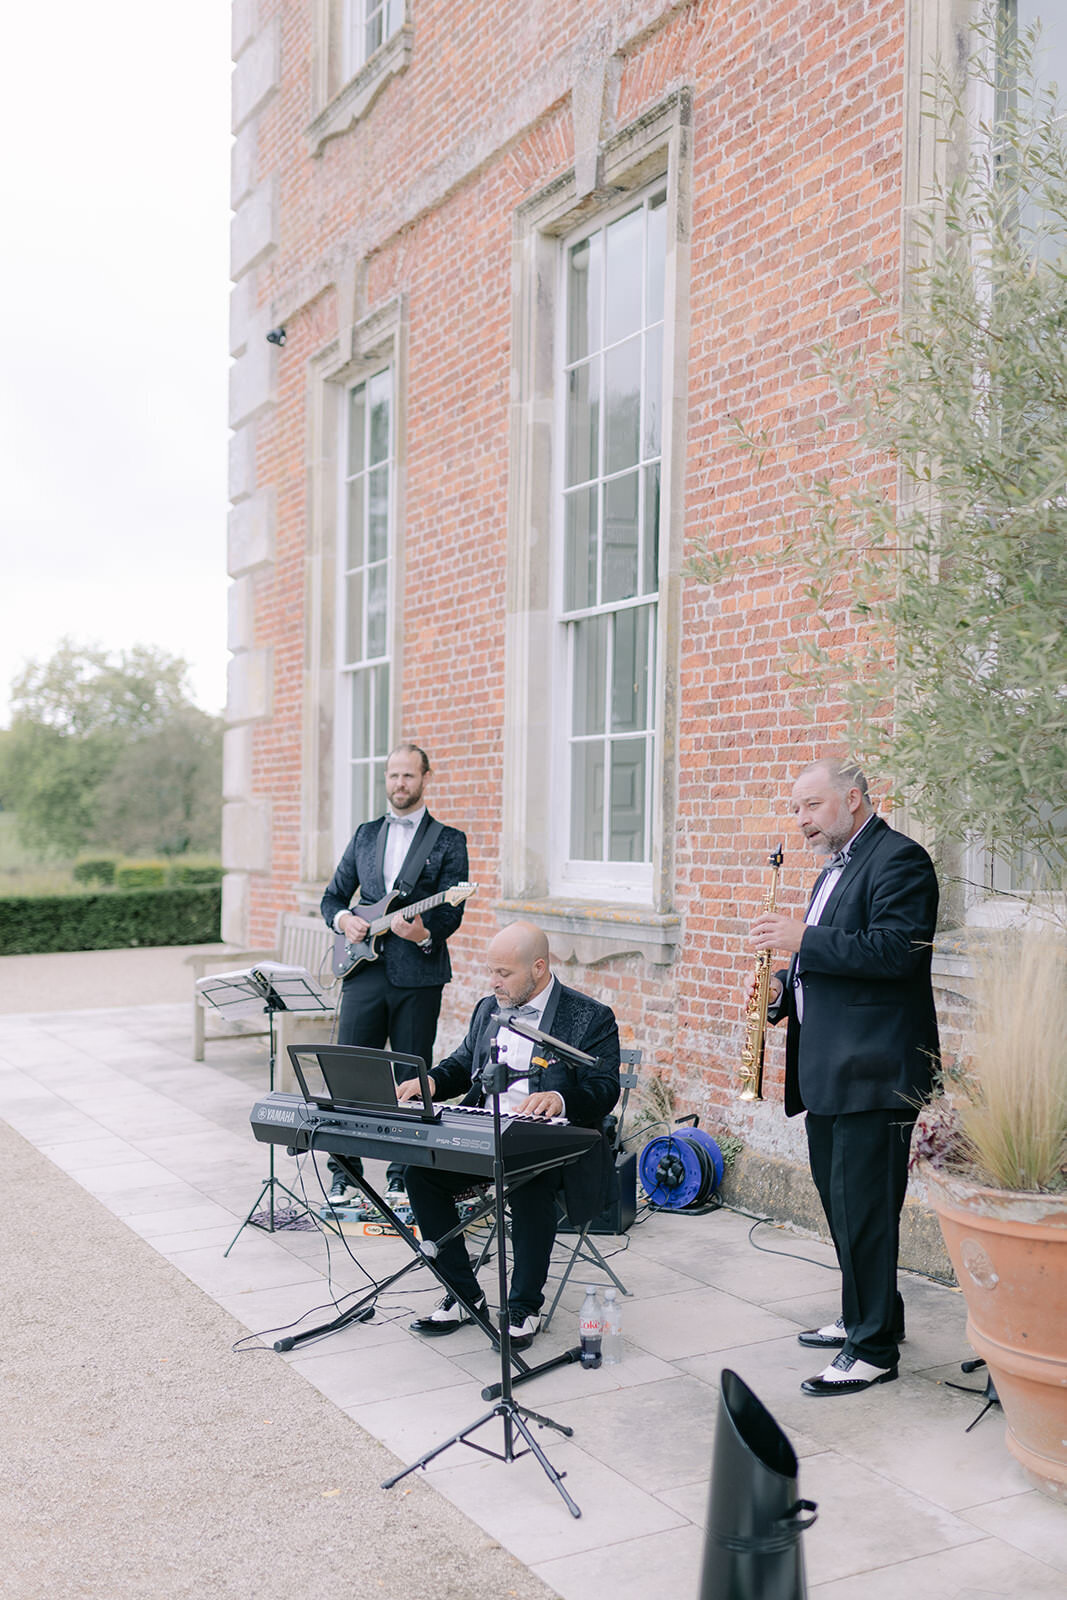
{"points": [[276, 336]]}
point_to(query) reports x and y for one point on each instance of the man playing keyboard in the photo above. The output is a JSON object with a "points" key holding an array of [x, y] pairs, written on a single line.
{"points": [[521, 977]]}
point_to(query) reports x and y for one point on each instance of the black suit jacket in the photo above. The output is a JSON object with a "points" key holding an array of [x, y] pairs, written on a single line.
{"points": [[589, 1092], [869, 1038], [362, 863]]}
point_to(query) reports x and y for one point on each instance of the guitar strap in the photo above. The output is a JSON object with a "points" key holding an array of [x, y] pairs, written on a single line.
{"points": [[417, 856]]}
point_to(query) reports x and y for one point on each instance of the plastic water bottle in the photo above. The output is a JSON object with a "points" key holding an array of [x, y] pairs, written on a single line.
{"points": [[590, 1323], [612, 1335]]}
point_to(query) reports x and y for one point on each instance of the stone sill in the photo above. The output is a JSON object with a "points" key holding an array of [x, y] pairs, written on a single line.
{"points": [[950, 961], [588, 932], [359, 93]]}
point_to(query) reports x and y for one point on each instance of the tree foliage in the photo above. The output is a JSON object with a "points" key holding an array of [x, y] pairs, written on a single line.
{"points": [[110, 752], [954, 561]]}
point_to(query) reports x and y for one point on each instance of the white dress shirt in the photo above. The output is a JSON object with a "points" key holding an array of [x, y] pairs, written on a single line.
{"points": [[398, 841], [518, 1051], [397, 844], [818, 906]]}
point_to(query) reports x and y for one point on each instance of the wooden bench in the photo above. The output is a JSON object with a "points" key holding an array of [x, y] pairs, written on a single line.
{"points": [[302, 942]]}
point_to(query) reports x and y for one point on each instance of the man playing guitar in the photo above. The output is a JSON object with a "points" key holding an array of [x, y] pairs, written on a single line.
{"points": [[394, 996]]}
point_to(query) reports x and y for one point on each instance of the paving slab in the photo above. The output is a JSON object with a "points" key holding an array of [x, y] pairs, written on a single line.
{"points": [[909, 1503], [77, 980]]}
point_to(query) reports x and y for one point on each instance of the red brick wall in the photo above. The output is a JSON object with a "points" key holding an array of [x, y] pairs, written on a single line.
{"points": [[796, 187]]}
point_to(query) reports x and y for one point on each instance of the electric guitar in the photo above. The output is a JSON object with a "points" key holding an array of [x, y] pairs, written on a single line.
{"points": [[349, 954]]}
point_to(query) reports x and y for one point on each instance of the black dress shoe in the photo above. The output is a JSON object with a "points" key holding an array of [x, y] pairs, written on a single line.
{"points": [[522, 1328], [838, 1377], [447, 1317], [832, 1337]]}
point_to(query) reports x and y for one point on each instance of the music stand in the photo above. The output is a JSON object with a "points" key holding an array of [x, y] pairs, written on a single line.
{"points": [[271, 986], [495, 1078]]}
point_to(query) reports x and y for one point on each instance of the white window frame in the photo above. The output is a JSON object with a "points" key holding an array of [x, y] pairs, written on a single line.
{"points": [[569, 876], [345, 819], [358, 15]]}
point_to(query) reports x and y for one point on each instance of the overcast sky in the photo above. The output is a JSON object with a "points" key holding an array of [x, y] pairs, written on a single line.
{"points": [[114, 193]]}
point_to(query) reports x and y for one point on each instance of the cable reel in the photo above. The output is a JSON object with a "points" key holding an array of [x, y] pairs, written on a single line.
{"points": [[681, 1171]]}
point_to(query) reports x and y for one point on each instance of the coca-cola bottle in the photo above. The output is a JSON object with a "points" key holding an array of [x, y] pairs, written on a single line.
{"points": [[590, 1328]]}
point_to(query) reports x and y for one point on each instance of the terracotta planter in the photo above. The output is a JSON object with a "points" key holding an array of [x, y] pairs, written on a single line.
{"points": [[1009, 1250]]}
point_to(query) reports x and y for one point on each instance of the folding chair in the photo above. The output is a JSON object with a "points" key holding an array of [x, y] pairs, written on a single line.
{"points": [[584, 1250]]}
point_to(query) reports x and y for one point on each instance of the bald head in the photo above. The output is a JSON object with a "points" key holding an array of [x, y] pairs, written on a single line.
{"points": [[519, 963]]}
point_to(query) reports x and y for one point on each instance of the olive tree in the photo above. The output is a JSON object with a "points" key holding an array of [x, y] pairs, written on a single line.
{"points": [[948, 543]]}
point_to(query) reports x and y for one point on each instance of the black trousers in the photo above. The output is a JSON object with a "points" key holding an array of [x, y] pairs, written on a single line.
{"points": [[859, 1162], [376, 1013], [533, 1232]]}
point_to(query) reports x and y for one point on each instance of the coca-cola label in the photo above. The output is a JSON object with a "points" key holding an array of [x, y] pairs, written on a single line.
{"points": [[589, 1327]]}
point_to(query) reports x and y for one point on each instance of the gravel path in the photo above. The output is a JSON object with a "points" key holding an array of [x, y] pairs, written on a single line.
{"points": [[142, 1460], [80, 980]]}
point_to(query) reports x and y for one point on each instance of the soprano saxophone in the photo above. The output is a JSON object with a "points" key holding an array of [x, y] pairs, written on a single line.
{"points": [[751, 1075]]}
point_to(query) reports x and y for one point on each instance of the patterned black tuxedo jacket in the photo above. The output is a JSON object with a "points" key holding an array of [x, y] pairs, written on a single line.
{"points": [[362, 864], [589, 1092]]}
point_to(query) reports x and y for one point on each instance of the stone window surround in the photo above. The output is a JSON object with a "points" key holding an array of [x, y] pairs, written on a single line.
{"points": [[360, 350], [340, 106], [655, 146]]}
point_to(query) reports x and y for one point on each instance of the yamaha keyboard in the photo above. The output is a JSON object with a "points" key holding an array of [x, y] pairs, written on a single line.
{"points": [[459, 1139]]}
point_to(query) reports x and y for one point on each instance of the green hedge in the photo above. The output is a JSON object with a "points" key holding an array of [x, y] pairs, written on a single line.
{"points": [[140, 874], [145, 874], [95, 869], [109, 920], [195, 872]]}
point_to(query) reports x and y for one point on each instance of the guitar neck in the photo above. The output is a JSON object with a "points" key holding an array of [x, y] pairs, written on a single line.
{"points": [[382, 924]]}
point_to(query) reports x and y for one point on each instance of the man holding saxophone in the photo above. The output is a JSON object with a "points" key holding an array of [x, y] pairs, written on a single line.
{"points": [[861, 1050]]}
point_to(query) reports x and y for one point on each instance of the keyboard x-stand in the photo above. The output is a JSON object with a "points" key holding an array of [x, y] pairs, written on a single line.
{"points": [[286, 1119], [421, 1257]]}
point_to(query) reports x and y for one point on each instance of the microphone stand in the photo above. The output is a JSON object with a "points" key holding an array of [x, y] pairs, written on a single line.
{"points": [[495, 1078], [505, 1017]]}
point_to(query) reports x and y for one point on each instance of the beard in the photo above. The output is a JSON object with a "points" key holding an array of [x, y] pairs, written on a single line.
{"points": [[520, 998]]}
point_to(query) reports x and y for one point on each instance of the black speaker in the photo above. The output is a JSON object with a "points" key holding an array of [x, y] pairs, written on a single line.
{"points": [[619, 1215]]}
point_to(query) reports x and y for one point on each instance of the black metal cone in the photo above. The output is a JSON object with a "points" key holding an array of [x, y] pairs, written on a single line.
{"points": [[752, 1549]]}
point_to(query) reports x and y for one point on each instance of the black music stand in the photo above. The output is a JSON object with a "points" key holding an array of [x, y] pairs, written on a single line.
{"points": [[495, 1078], [269, 987]]}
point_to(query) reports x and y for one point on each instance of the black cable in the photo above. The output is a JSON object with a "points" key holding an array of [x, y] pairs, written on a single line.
{"points": [[335, 1300], [323, 1227], [640, 1133]]}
